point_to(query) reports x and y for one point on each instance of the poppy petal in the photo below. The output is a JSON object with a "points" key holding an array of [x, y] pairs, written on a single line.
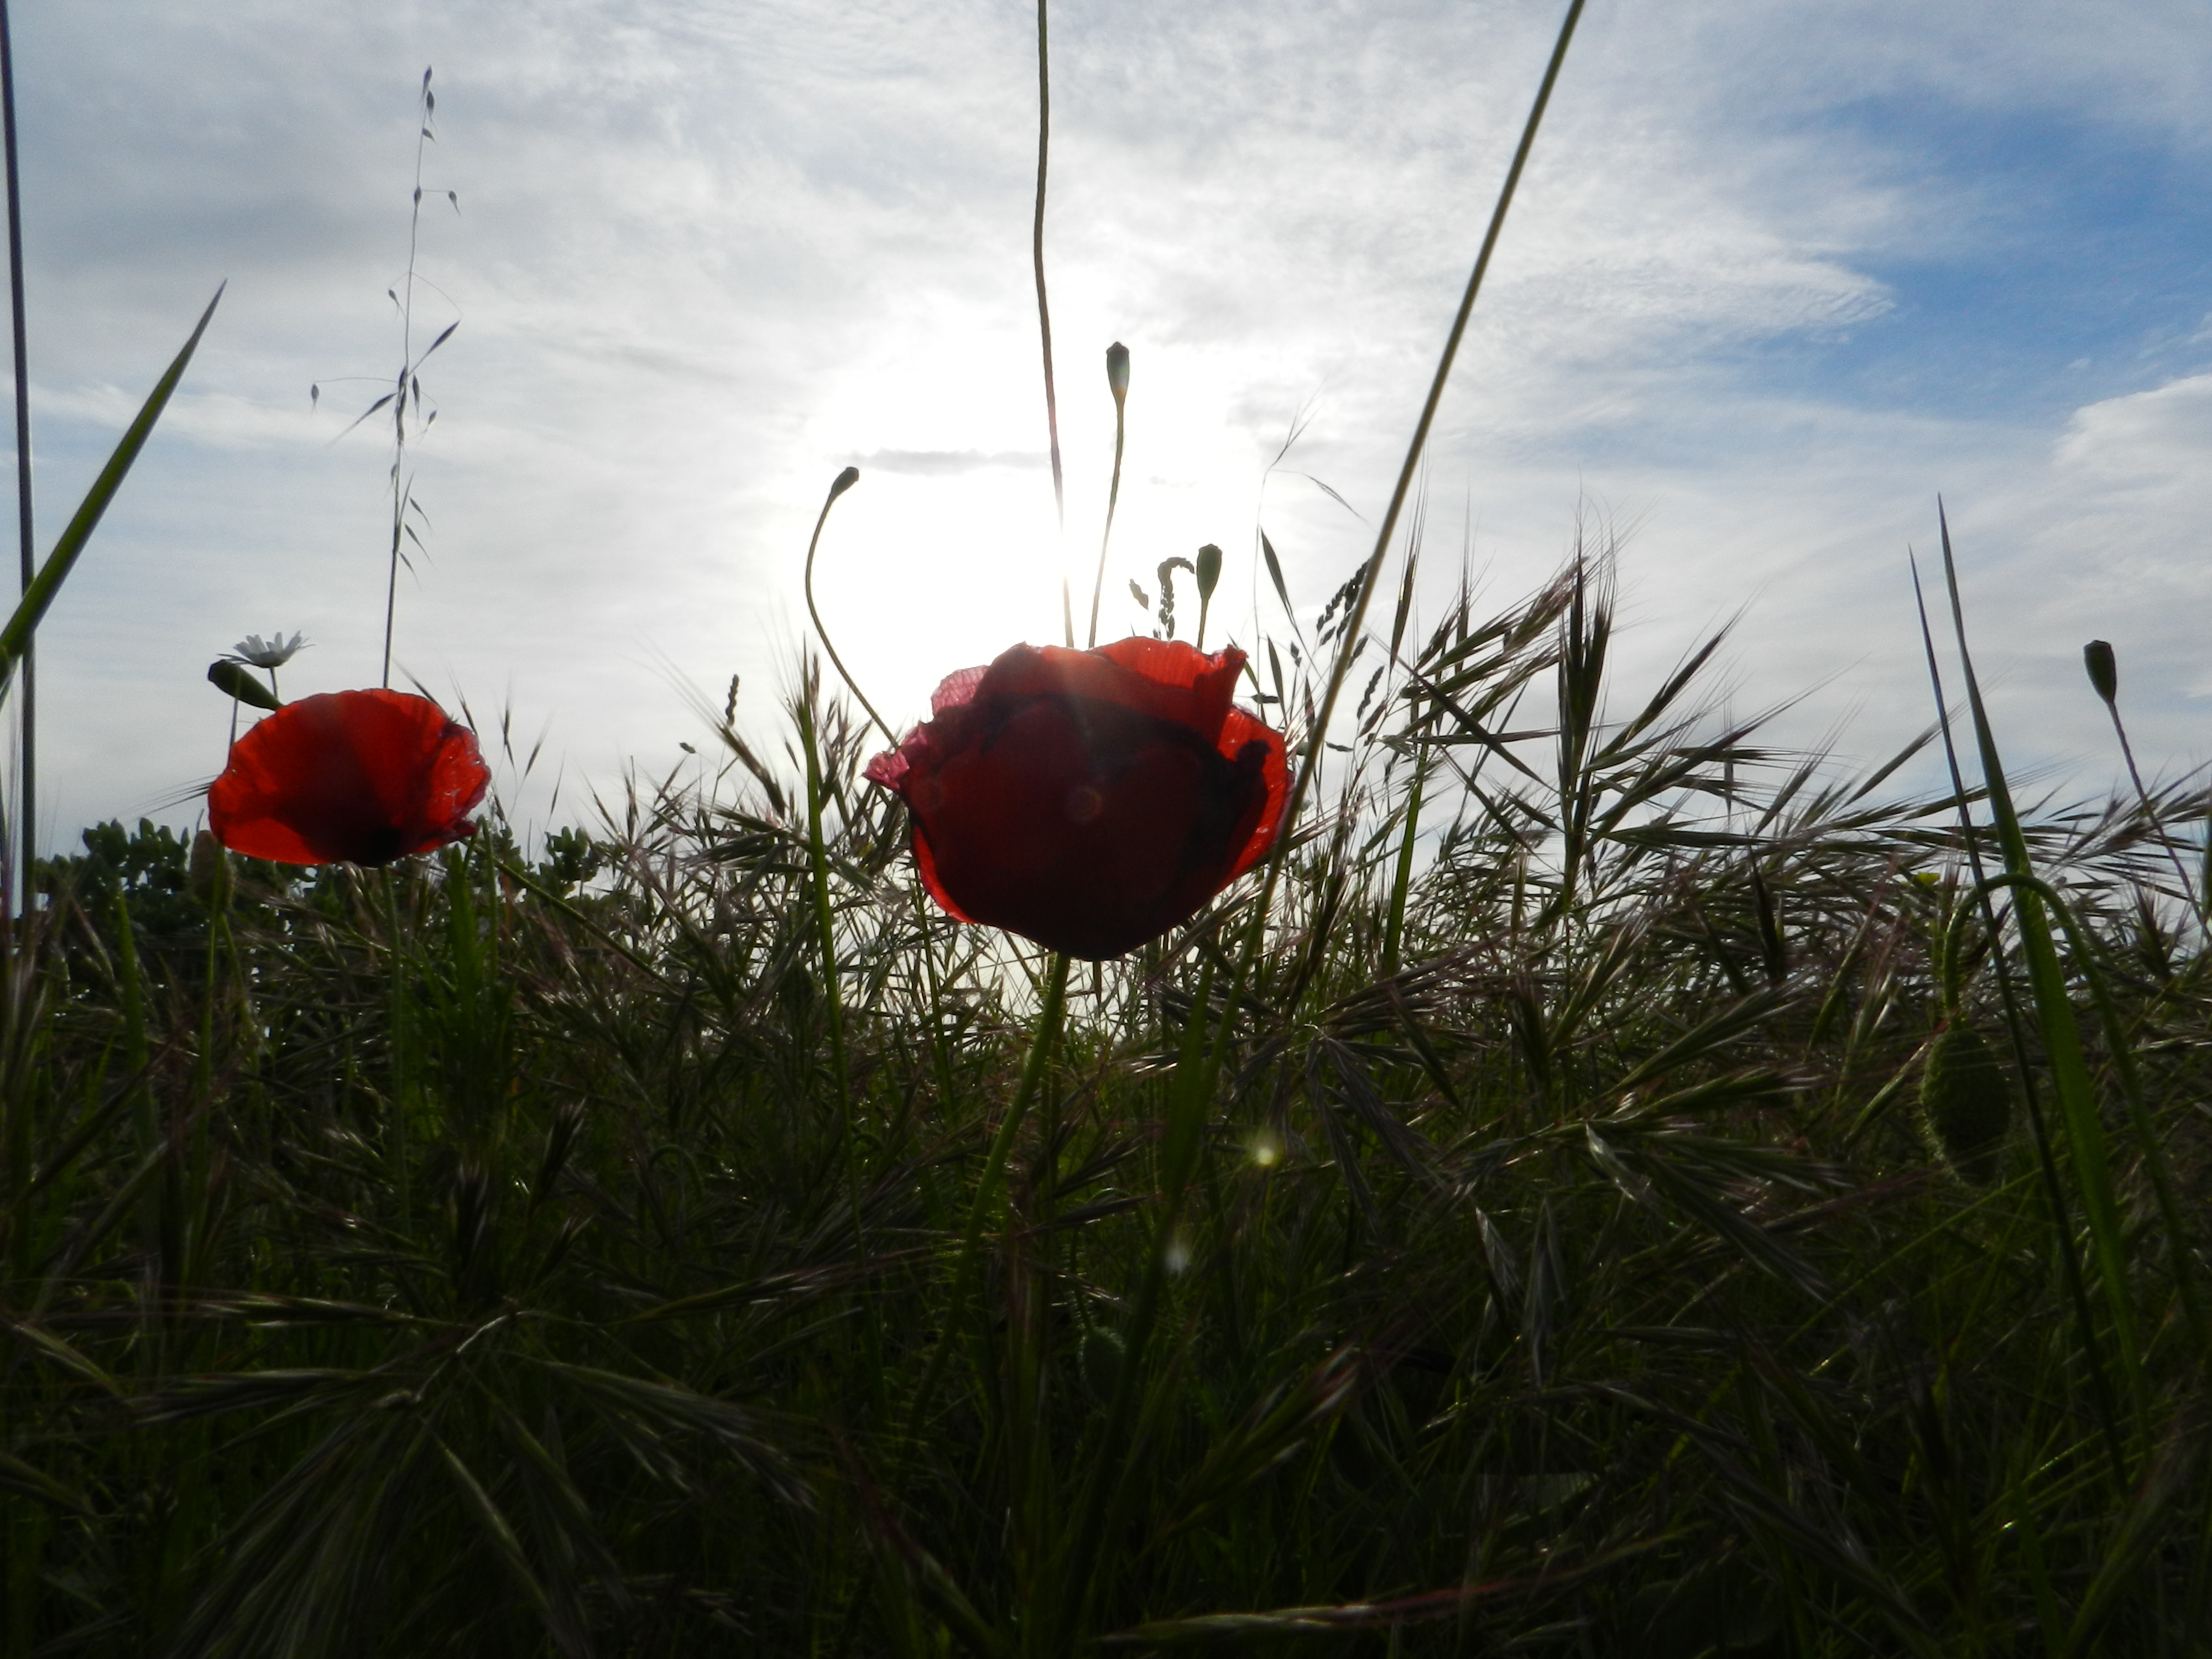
{"points": [[357, 777], [1089, 800]]}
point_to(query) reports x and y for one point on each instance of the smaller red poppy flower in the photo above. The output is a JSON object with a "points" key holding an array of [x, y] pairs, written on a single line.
{"points": [[1089, 800], [351, 777]]}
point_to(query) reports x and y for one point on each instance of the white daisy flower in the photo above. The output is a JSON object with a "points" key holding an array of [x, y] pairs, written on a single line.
{"points": [[273, 653]]}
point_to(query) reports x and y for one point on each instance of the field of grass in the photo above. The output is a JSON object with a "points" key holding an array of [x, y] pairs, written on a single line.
{"points": [[1532, 1238]]}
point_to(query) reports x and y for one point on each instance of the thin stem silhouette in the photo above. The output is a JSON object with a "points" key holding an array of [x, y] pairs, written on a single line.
{"points": [[27, 747], [1044, 308]]}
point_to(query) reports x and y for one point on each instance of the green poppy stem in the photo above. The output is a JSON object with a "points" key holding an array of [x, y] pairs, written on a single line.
{"points": [[1049, 1016], [834, 999]]}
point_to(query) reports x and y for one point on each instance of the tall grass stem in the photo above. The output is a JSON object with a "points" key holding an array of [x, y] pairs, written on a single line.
{"points": [[2055, 1014], [1044, 305], [2061, 1226], [26, 741]]}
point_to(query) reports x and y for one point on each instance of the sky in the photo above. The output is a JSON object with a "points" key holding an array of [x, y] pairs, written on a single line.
{"points": [[1780, 272]]}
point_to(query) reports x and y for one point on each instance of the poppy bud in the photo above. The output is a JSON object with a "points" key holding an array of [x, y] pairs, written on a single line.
{"points": [[1966, 1102], [1209, 571], [1117, 370], [208, 874], [2104, 672], [1089, 800], [232, 681]]}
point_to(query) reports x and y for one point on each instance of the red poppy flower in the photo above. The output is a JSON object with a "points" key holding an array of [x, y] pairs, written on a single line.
{"points": [[354, 777], [1089, 800]]}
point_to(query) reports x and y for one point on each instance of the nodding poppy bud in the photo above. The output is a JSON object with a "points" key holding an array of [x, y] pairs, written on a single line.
{"points": [[1208, 571], [1089, 800], [348, 777], [2104, 671], [228, 677], [1966, 1102], [1117, 370]]}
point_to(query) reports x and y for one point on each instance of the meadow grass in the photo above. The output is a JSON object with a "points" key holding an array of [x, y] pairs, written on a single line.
{"points": [[686, 1240]]}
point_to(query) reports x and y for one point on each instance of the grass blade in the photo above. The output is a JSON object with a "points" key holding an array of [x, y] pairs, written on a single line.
{"points": [[15, 637]]}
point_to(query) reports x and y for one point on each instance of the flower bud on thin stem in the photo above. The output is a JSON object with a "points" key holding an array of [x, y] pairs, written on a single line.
{"points": [[838, 485], [2105, 679], [1117, 382], [228, 677], [1209, 576], [2104, 672]]}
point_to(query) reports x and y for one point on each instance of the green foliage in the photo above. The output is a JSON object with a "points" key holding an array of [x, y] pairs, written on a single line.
{"points": [[690, 1242], [1967, 1101], [146, 868]]}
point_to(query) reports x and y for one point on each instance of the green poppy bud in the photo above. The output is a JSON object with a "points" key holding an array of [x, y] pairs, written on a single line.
{"points": [[1966, 1102], [2104, 672], [1209, 571], [233, 681], [1117, 370]]}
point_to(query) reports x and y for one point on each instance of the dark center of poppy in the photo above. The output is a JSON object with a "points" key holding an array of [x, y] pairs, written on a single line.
{"points": [[379, 844]]}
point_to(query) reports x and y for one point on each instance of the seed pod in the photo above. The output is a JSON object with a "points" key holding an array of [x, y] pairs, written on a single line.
{"points": [[208, 873], [1966, 1103], [2104, 671], [1117, 370], [1209, 571]]}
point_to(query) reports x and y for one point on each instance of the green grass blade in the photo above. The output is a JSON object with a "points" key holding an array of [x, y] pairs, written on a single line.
{"points": [[2054, 1010], [15, 638]]}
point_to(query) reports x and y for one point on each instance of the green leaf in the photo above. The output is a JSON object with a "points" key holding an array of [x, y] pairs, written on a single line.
{"points": [[15, 638], [232, 681]]}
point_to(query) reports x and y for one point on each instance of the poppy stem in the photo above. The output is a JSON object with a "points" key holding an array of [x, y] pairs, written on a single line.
{"points": [[1117, 382], [1049, 1012], [838, 485], [1189, 1096], [400, 1045], [1044, 309], [833, 997], [2150, 812]]}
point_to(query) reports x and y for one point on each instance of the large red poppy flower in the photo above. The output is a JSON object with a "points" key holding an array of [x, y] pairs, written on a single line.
{"points": [[353, 777], [1089, 800]]}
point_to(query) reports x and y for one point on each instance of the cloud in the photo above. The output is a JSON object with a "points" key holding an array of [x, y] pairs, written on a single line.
{"points": [[945, 463]]}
